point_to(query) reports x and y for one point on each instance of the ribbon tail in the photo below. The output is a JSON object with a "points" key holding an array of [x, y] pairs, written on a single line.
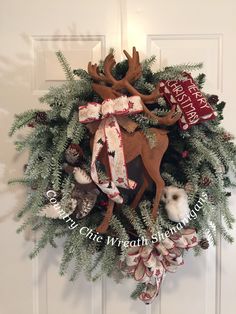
{"points": [[116, 156], [151, 291], [107, 187]]}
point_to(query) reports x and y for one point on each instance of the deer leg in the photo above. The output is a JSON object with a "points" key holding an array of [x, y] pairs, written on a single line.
{"points": [[152, 165], [142, 189], [102, 228], [159, 189]]}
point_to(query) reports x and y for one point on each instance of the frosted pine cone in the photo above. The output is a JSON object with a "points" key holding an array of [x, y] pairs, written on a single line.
{"points": [[73, 153], [213, 99], [204, 243], [206, 181], [41, 117]]}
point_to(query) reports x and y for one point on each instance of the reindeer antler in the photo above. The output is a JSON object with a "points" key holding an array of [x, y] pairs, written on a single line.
{"points": [[109, 63], [134, 72], [107, 77]]}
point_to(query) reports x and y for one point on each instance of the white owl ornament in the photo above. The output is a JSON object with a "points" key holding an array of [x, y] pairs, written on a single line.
{"points": [[176, 203]]}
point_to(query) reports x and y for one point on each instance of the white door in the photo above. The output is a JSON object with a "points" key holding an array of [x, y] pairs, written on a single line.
{"points": [[175, 31]]}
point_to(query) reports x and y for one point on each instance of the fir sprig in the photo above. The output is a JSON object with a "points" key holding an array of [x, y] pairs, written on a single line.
{"points": [[65, 65]]}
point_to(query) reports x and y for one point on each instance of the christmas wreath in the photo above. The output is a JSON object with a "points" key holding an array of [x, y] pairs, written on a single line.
{"points": [[131, 167]]}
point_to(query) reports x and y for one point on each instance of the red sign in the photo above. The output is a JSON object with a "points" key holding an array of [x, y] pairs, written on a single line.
{"points": [[189, 99]]}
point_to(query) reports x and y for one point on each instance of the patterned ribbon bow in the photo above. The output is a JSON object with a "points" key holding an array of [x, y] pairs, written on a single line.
{"points": [[149, 264], [109, 134]]}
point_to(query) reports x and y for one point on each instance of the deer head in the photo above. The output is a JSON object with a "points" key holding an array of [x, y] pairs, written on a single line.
{"points": [[117, 86]]}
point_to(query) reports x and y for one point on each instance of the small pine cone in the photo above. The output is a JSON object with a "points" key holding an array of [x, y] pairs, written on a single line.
{"points": [[213, 99], [204, 243], [227, 136], [189, 187], [41, 117], [206, 181], [73, 153], [34, 186]]}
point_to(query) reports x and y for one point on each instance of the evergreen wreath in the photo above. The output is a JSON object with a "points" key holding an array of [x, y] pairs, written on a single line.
{"points": [[63, 201]]}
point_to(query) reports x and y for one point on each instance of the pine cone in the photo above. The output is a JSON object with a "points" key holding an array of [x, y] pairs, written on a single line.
{"points": [[213, 99], [189, 187], [204, 243], [41, 117], [206, 181], [73, 153], [227, 136]]}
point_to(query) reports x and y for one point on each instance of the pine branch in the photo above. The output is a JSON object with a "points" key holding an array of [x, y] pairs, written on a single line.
{"points": [[176, 72], [22, 120], [65, 65]]}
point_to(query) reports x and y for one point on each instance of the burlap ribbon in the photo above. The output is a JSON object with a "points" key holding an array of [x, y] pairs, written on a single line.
{"points": [[109, 135], [149, 264]]}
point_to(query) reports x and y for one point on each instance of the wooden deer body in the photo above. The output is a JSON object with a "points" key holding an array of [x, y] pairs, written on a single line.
{"points": [[135, 143]]}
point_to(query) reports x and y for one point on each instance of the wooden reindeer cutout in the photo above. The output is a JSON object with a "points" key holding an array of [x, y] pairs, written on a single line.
{"points": [[135, 143]]}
